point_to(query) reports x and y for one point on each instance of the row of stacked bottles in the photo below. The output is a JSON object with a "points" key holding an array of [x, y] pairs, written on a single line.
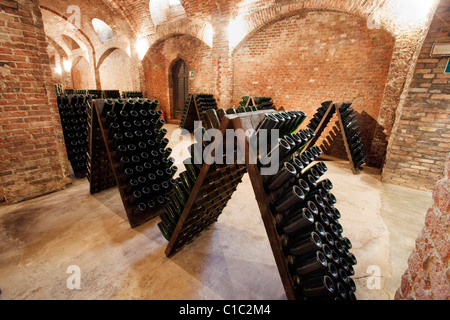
{"points": [[217, 188], [349, 128], [72, 112], [132, 94], [99, 170], [320, 116], [259, 103], [139, 153], [111, 94], [353, 135], [102, 94], [185, 111], [307, 220]]}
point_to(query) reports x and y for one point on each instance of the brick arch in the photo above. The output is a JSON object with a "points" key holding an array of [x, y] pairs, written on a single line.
{"points": [[62, 53], [136, 14], [161, 12], [255, 21], [168, 31], [80, 34], [202, 8], [77, 59], [156, 67], [75, 31], [105, 55], [71, 43], [105, 10]]}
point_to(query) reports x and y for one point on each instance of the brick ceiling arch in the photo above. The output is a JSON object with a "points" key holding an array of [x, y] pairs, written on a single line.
{"points": [[103, 10], [56, 25], [204, 8], [194, 30], [62, 53], [77, 60], [71, 43], [106, 54], [136, 13], [266, 17]]}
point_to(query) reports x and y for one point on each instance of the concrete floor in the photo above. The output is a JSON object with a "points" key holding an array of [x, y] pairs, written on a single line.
{"points": [[41, 238]]}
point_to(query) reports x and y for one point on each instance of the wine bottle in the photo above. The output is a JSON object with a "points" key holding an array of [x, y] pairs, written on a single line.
{"points": [[286, 173], [140, 209], [302, 220], [318, 287], [164, 231], [317, 262], [291, 199], [309, 244]]}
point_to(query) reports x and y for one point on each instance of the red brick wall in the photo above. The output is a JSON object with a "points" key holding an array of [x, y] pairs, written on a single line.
{"points": [[306, 59], [156, 64], [32, 154], [428, 273], [421, 141]]}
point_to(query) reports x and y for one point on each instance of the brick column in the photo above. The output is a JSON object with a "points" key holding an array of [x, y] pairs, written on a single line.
{"points": [[222, 56], [427, 277], [33, 159]]}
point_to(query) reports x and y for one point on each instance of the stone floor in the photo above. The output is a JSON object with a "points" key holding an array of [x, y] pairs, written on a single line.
{"points": [[41, 238]]}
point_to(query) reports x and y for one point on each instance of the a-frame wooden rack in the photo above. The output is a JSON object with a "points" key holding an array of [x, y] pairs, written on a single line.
{"points": [[103, 168], [252, 101], [334, 108], [182, 233], [192, 113]]}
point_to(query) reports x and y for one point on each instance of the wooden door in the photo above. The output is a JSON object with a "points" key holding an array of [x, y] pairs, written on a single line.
{"points": [[180, 82]]}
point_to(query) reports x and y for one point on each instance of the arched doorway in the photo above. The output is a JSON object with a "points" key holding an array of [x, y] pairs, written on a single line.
{"points": [[180, 81]]}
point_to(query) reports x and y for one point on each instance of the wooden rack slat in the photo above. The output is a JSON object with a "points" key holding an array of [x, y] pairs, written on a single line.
{"points": [[322, 125]]}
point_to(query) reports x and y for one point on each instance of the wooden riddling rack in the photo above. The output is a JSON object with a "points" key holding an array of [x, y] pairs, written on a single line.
{"points": [[193, 221], [353, 145], [261, 103], [194, 108], [72, 112], [105, 173], [213, 188]]}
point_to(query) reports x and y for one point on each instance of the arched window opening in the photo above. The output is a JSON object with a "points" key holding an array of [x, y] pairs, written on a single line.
{"points": [[163, 11], [104, 31]]}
